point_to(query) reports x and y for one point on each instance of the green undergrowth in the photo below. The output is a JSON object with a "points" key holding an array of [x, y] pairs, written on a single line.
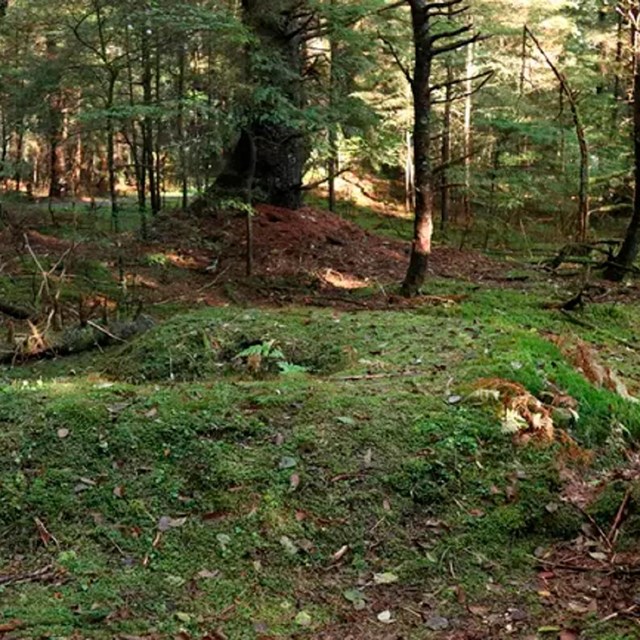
{"points": [[189, 487]]}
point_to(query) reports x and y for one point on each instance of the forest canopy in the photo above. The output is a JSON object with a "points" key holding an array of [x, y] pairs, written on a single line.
{"points": [[482, 109]]}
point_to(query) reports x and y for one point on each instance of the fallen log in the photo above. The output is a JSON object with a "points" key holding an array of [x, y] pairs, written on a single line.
{"points": [[15, 312], [75, 340]]}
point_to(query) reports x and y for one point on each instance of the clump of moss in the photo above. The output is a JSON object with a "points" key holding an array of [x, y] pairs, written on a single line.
{"points": [[221, 341], [605, 508]]}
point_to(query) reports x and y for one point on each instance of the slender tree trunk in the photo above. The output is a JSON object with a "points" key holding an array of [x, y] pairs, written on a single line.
{"points": [[55, 117], [111, 159], [445, 152], [138, 162], [623, 262], [19, 154], [147, 130], [159, 182], [523, 61], [184, 170], [5, 139], [423, 220], [618, 90], [468, 141], [583, 189], [332, 163]]}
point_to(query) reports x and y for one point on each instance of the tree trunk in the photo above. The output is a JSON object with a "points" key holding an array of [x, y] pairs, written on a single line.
{"points": [[147, 128], [55, 125], [184, 171], [583, 189], [468, 113], [281, 148], [445, 153], [623, 262], [423, 220], [111, 159]]}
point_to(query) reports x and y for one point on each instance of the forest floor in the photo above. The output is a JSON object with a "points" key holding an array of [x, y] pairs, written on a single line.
{"points": [[303, 454]]}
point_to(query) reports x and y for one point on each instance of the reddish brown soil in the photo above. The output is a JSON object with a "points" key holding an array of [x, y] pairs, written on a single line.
{"points": [[299, 256]]}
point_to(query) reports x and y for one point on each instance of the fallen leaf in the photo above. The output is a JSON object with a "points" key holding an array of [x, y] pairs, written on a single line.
{"points": [[385, 617], [385, 578], [345, 420], [294, 481], [215, 515], [118, 491], [569, 634], [260, 627], [44, 534], [354, 595], [368, 458], [437, 623], [287, 462], [289, 546], [340, 553], [477, 610], [303, 619], [117, 408], [205, 574], [223, 540], [165, 523], [63, 433], [11, 625]]}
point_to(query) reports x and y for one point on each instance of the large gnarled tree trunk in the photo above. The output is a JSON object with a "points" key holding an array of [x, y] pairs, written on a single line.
{"points": [[281, 148]]}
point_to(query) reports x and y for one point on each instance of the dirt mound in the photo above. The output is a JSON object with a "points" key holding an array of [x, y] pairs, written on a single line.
{"points": [[327, 247]]}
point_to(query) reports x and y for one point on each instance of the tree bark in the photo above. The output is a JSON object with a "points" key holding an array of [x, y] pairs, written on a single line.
{"points": [[281, 148], [423, 220], [468, 140], [445, 153], [623, 262]]}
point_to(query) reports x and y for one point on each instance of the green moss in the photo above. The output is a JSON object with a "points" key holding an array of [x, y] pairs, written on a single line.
{"points": [[366, 451]]}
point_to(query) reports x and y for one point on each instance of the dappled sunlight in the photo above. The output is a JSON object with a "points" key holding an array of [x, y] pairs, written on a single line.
{"points": [[343, 280]]}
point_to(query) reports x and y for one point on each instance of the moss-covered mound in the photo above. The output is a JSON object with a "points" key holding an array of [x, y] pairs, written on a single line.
{"points": [[218, 341]]}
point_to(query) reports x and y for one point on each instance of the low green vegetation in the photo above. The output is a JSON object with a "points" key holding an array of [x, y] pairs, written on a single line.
{"points": [[252, 471]]}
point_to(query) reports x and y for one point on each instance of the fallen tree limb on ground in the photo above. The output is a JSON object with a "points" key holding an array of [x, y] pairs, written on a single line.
{"points": [[75, 340], [15, 312]]}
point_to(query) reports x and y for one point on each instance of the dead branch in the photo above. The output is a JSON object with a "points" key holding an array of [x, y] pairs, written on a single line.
{"points": [[15, 312]]}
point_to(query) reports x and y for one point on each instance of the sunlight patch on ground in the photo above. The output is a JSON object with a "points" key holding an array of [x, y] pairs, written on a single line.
{"points": [[343, 280]]}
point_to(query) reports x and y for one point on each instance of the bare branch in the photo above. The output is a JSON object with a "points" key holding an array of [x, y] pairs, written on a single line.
{"points": [[486, 76], [451, 34], [458, 44], [396, 57], [451, 83]]}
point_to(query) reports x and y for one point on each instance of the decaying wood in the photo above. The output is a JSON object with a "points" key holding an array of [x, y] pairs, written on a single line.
{"points": [[45, 574], [15, 312], [75, 340]]}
